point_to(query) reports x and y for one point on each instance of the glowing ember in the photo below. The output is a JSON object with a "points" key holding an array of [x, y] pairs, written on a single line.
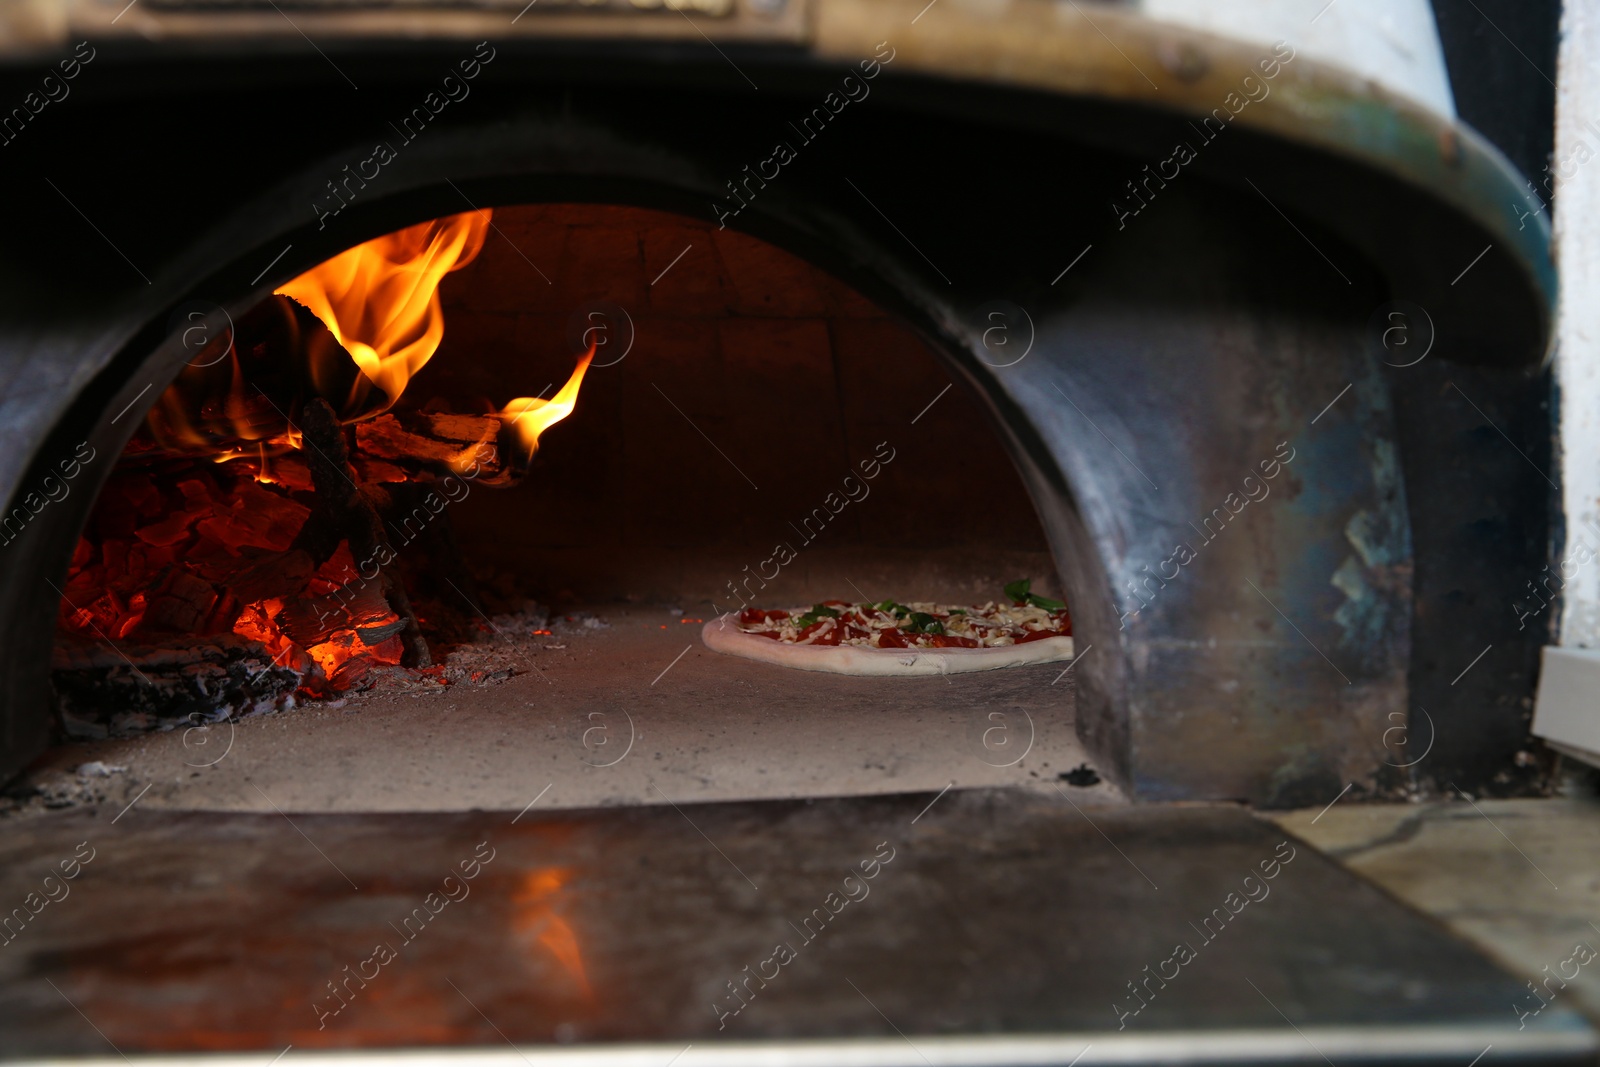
{"points": [[191, 554]]}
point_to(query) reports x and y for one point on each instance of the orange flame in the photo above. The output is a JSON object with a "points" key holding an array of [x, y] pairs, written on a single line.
{"points": [[380, 299], [530, 416], [380, 303], [381, 306]]}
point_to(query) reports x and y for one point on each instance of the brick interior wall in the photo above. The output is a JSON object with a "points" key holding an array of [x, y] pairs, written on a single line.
{"points": [[755, 385]]}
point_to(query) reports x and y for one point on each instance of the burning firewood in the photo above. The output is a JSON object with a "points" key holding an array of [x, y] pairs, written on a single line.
{"points": [[309, 621], [241, 551], [350, 512], [437, 444], [246, 387]]}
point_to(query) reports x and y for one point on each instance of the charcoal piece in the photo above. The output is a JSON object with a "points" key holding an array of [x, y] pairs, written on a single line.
{"points": [[256, 517], [276, 576], [181, 603], [110, 691], [359, 606]]}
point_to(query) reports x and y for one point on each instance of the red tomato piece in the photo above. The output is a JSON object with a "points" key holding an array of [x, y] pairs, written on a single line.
{"points": [[892, 638], [830, 635], [753, 615], [952, 641]]}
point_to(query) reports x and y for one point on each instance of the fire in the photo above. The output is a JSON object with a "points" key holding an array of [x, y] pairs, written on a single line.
{"points": [[380, 303], [530, 416], [380, 299], [218, 551]]}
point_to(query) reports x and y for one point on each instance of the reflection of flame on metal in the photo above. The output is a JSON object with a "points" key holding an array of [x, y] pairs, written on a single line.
{"points": [[534, 918]]}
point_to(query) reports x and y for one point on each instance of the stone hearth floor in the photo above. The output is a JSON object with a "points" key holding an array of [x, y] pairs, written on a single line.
{"points": [[634, 711]]}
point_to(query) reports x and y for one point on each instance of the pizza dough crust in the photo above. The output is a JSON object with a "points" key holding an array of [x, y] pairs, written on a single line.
{"points": [[723, 634]]}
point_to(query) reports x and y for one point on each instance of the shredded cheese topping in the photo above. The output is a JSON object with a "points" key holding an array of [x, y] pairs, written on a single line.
{"points": [[919, 624]]}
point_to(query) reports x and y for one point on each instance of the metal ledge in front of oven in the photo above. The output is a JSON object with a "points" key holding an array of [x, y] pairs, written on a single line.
{"points": [[998, 927]]}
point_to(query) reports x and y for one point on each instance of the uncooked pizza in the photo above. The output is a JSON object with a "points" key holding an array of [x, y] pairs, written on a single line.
{"points": [[889, 638]]}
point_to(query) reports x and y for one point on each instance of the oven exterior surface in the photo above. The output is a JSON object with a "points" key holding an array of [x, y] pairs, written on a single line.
{"points": [[1247, 635]]}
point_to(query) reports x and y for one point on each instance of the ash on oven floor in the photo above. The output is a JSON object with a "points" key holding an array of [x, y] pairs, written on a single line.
{"points": [[633, 710]]}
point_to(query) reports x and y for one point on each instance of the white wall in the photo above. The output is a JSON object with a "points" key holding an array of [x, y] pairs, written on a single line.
{"points": [[1567, 713], [1577, 233]]}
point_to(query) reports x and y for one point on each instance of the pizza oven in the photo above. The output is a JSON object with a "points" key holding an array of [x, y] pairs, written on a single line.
{"points": [[391, 414], [778, 297]]}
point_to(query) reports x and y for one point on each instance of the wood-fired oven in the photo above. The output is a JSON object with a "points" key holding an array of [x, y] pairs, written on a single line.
{"points": [[1214, 334]]}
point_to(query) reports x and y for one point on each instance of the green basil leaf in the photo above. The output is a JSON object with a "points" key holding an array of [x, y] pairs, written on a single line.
{"points": [[822, 610], [1045, 602], [923, 623], [1017, 591]]}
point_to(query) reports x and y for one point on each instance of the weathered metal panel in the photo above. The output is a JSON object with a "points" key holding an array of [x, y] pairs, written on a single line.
{"points": [[968, 924]]}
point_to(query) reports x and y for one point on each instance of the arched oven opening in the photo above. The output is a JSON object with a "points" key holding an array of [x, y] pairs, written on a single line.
{"points": [[507, 464]]}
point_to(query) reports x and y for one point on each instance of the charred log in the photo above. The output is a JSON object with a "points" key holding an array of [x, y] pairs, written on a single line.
{"points": [[249, 383], [185, 682], [482, 448], [350, 512], [421, 523]]}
